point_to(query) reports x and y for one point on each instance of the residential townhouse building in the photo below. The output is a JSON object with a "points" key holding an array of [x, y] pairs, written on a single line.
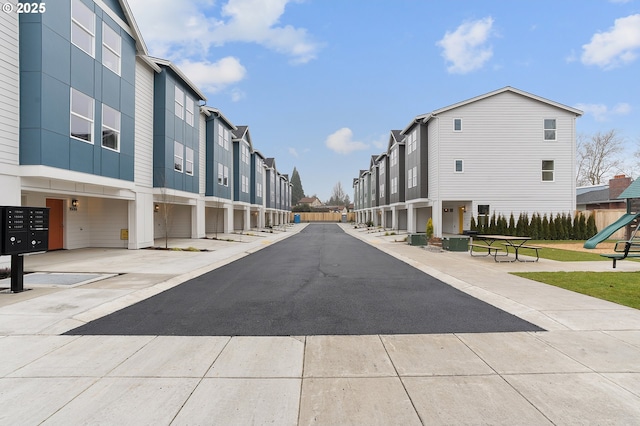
{"points": [[504, 152], [219, 166], [176, 154], [258, 184], [107, 136], [242, 171]]}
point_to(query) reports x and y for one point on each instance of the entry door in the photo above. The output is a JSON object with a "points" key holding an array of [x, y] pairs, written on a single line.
{"points": [[55, 223], [460, 219]]}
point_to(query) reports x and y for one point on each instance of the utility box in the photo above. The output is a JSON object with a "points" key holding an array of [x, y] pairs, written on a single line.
{"points": [[24, 230], [455, 244], [418, 239]]}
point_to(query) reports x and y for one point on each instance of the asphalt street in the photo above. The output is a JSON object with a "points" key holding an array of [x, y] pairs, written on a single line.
{"points": [[321, 281]]}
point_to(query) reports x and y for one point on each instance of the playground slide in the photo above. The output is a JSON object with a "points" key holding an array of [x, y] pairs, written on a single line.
{"points": [[626, 219]]}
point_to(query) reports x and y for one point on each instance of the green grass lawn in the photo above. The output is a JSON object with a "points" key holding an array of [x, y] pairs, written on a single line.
{"points": [[619, 287]]}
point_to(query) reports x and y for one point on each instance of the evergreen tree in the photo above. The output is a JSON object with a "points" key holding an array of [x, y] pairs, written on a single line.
{"points": [[512, 225], [534, 230], [552, 228], [520, 226], [560, 229], [297, 193], [591, 226], [545, 228], [568, 225], [473, 226], [492, 224]]}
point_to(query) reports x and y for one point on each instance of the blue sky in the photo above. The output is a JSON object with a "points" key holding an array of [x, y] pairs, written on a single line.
{"points": [[321, 83]]}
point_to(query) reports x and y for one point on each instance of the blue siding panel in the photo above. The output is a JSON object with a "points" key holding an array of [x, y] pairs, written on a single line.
{"points": [[110, 163], [56, 106], [110, 88], [30, 100], [82, 72], [30, 146], [30, 46], [127, 139], [126, 167], [81, 156], [56, 56], [55, 150]]}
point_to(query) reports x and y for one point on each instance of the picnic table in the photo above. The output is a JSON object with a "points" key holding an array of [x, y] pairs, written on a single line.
{"points": [[486, 242]]}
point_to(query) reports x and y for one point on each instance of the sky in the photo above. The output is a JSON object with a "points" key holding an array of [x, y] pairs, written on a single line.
{"points": [[321, 83]]}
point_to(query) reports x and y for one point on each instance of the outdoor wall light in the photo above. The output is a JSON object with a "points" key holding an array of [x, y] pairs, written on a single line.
{"points": [[74, 203], [156, 208], [464, 209]]}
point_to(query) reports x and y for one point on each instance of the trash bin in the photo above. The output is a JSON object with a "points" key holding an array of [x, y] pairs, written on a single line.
{"points": [[344, 218], [296, 218]]}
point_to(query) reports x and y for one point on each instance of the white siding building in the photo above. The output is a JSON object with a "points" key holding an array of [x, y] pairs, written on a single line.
{"points": [[503, 152]]}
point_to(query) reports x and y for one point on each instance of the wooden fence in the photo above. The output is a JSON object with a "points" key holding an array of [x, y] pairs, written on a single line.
{"points": [[604, 218], [323, 217]]}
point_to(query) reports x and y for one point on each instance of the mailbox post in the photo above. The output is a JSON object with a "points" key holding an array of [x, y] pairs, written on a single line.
{"points": [[24, 230]]}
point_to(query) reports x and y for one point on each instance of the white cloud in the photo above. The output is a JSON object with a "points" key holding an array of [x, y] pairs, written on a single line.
{"points": [[342, 142], [293, 152], [213, 77], [188, 27], [615, 47], [466, 48], [602, 112]]}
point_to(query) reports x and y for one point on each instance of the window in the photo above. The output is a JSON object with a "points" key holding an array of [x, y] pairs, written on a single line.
{"points": [[258, 190], [111, 48], [81, 116], [189, 111], [83, 27], [226, 176], [223, 136], [245, 184], [382, 189], [188, 161], [381, 167], [244, 152], [549, 129], [459, 166], [177, 156], [547, 170], [179, 103], [110, 128], [412, 143], [394, 185], [410, 178], [220, 174], [394, 157], [415, 176], [457, 124]]}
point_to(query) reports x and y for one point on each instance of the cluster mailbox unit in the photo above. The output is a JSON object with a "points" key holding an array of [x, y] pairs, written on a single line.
{"points": [[24, 230]]}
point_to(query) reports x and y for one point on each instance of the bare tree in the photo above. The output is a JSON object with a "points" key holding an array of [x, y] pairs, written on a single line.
{"points": [[338, 196], [598, 156]]}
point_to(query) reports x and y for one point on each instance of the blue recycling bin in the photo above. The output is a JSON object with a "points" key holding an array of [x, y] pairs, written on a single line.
{"points": [[296, 218]]}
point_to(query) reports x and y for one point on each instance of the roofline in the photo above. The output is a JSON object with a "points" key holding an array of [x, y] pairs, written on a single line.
{"points": [[140, 44], [208, 111], [575, 111], [174, 68], [422, 118]]}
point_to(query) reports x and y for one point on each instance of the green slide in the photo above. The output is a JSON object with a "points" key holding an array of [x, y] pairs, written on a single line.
{"points": [[609, 230]]}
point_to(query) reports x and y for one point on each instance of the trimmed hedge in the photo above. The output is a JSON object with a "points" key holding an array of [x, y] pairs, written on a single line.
{"points": [[539, 227]]}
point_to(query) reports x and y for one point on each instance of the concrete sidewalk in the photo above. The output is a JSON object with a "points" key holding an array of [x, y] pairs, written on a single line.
{"points": [[585, 369]]}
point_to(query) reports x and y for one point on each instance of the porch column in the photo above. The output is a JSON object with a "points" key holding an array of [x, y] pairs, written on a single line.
{"points": [[411, 218]]}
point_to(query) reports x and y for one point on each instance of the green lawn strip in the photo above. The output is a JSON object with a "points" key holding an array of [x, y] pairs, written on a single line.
{"points": [[618, 287]]}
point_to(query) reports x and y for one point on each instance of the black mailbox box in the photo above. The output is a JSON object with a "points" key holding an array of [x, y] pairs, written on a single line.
{"points": [[24, 230]]}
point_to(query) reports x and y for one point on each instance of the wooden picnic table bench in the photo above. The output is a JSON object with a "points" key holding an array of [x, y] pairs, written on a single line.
{"points": [[623, 250], [516, 243]]}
